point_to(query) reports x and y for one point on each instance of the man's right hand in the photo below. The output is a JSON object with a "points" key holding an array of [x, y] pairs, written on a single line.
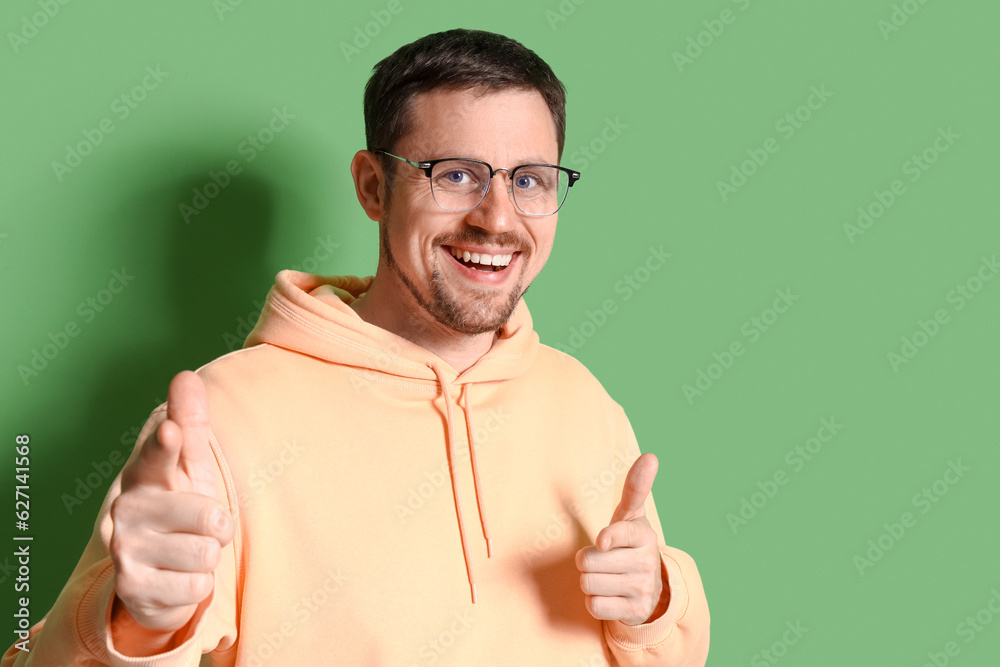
{"points": [[169, 524]]}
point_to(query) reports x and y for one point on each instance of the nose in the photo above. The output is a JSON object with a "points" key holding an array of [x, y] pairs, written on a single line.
{"points": [[496, 213]]}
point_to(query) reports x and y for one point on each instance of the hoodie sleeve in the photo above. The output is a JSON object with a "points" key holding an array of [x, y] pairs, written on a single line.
{"points": [[76, 631], [678, 638]]}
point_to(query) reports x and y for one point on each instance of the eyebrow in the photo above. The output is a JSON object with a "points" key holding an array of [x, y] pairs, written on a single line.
{"points": [[528, 160]]}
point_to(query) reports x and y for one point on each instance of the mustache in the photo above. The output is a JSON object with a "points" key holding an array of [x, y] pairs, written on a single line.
{"points": [[508, 241]]}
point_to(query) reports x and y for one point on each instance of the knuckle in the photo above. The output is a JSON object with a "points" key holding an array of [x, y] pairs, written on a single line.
{"points": [[127, 588], [121, 509], [646, 588], [583, 559], [207, 554], [119, 553], [598, 607], [199, 586], [204, 522], [629, 531], [122, 563]]}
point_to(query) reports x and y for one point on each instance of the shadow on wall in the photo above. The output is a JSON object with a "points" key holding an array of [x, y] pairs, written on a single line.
{"points": [[207, 273]]}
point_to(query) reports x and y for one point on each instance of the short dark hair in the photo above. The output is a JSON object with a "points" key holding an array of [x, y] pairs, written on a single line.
{"points": [[453, 60]]}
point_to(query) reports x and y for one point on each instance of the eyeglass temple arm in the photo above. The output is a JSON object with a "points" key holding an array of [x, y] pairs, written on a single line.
{"points": [[425, 166]]}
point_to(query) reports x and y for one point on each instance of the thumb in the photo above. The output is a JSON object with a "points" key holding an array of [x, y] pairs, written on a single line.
{"points": [[638, 484]]}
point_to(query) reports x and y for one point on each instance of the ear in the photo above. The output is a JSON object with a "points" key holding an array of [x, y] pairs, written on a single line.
{"points": [[369, 183]]}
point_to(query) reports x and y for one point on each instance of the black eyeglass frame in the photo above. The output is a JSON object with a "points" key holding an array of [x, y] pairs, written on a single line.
{"points": [[428, 166]]}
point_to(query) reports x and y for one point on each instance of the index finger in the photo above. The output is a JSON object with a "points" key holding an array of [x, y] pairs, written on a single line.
{"points": [[180, 441]]}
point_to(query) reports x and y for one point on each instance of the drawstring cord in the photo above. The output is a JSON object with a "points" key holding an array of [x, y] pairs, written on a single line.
{"points": [[475, 475], [454, 479]]}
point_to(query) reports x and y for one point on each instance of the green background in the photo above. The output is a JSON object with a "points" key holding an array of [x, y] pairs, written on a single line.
{"points": [[681, 129]]}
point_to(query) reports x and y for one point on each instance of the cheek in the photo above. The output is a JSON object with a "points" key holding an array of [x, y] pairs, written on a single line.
{"points": [[424, 199], [543, 248]]}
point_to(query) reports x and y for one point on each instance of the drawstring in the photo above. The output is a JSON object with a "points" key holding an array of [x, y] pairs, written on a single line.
{"points": [[475, 475], [454, 478]]}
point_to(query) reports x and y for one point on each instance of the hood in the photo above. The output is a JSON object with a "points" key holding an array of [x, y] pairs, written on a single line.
{"points": [[311, 314]]}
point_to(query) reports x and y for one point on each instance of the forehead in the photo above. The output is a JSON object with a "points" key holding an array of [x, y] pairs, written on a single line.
{"points": [[498, 127]]}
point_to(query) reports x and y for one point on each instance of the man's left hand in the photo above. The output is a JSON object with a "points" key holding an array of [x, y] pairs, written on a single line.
{"points": [[620, 577]]}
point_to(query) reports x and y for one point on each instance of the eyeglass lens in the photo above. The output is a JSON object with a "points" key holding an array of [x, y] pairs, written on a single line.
{"points": [[460, 185]]}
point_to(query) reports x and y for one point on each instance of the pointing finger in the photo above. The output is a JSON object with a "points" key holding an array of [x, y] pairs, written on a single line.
{"points": [[625, 534], [157, 460]]}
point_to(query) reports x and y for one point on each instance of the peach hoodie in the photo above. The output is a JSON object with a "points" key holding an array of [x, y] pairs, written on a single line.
{"points": [[393, 512]]}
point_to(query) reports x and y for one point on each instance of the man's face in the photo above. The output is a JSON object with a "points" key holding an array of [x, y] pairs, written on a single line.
{"points": [[418, 238]]}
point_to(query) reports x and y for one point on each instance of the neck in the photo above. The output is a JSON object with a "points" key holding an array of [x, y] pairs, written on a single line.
{"points": [[381, 306]]}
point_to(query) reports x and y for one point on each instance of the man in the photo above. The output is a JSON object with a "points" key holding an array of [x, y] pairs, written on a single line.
{"points": [[393, 470]]}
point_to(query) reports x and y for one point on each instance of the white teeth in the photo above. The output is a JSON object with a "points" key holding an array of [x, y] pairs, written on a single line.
{"points": [[481, 258]]}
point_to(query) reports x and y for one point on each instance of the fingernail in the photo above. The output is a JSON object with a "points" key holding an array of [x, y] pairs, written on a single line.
{"points": [[219, 519]]}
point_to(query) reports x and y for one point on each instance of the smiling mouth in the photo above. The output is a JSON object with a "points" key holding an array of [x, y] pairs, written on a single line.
{"points": [[481, 262]]}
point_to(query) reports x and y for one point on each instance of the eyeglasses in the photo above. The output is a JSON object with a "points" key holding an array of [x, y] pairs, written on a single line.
{"points": [[460, 184]]}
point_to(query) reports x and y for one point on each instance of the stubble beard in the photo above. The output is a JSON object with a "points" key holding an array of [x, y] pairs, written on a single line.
{"points": [[478, 315]]}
